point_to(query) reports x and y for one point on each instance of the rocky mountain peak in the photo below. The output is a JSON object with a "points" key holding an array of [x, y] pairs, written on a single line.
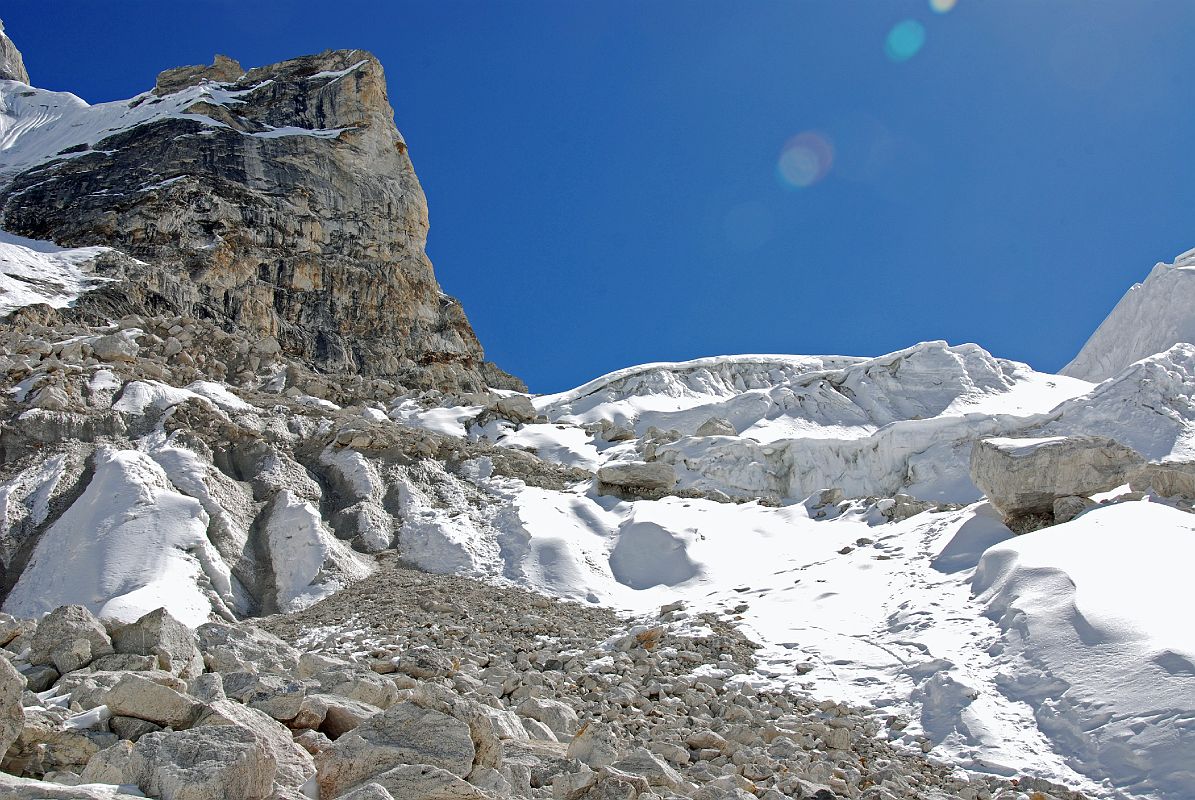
{"points": [[222, 70], [12, 65], [279, 203]]}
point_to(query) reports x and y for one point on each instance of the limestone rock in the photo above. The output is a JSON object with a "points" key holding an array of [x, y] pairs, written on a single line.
{"points": [[135, 696], [1023, 477], [594, 745], [45, 746], [233, 648], [425, 782], [131, 728], [14, 788], [280, 698], [115, 347], [561, 719], [292, 764], [341, 715], [69, 637], [12, 715], [516, 408], [638, 476], [367, 791], [646, 764], [1168, 479], [199, 764], [403, 734], [1067, 508], [222, 70], [12, 65], [716, 426], [423, 662], [161, 635], [311, 235]]}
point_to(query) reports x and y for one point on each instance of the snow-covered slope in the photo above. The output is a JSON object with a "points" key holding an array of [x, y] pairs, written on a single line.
{"points": [[38, 125], [1151, 317], [1099, 641], [900, 422], [41, 272]]}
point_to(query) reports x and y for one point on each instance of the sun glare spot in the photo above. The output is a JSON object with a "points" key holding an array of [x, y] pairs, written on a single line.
{"points": [[805, 159], [942, 6], [904, 40]]}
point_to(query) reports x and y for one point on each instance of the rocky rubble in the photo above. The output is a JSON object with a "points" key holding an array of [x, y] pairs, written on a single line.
{"points": [[425, 687]]}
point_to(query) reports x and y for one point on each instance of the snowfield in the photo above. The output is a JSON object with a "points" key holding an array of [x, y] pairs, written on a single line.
{"points": [[33, 271]]}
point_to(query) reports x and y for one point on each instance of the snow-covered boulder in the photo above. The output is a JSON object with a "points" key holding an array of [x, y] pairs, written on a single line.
{"points": [[1023, 477]]}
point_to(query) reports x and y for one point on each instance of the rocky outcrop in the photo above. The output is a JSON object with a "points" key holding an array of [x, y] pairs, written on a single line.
{"points": [[1023, 478], [279, 202], [1167, 479], [637, 477], [12, 715], [12, 64]]}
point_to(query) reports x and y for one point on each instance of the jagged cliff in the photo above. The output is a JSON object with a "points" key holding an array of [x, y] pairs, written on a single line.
{"points": [[12, 65], [279, 203]]}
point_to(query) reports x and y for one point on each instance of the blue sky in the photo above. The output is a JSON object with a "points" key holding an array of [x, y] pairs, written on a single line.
{"points": [[620, 182]]}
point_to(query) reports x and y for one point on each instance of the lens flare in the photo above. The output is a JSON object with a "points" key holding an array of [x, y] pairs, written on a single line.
{"points": [[942, 6], [805, 159], [904, 40]]}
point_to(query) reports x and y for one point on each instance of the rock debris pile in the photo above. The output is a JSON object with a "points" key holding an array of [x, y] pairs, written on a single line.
{"points": [[425, 687]]}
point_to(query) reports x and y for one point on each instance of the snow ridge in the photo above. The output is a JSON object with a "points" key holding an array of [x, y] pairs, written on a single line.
{"points": [[1151, 317]]}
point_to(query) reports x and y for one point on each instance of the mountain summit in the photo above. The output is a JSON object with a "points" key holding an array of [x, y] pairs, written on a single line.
{"points": [[278, 202]]}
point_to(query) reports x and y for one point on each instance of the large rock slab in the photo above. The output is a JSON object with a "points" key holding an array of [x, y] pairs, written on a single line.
{"points": [[233, 648], [207, 763], [1168, 479], [135, 696], [1023, 477], [424, 782], [293, 765], [403, 734], [12, 714], [161, 635], [69, 637], [638, 476], [14, 788]]}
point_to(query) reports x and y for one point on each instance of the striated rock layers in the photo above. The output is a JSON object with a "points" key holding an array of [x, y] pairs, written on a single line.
{"points": [[12, 65], [278, 202]]}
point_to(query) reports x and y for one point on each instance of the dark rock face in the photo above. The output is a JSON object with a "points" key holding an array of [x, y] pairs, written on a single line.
{"points": [[281, 203]]}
